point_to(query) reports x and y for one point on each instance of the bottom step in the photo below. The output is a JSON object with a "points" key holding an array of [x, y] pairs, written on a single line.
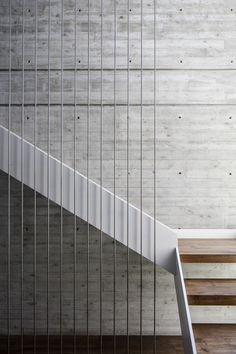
{"points": [[164, 345], [215, 338]]}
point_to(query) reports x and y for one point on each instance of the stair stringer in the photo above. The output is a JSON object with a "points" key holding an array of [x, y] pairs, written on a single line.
{"points": [[81, 196]]}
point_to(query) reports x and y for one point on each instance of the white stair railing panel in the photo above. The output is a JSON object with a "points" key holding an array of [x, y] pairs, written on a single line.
{"points": [[166, 240], [184, 313], [76, 189]]}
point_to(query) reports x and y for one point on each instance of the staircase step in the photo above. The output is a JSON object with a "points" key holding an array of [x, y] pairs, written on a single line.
{"points": [[215, 339], [211, 291], [203, 314], [207, 250], [209, 270]]}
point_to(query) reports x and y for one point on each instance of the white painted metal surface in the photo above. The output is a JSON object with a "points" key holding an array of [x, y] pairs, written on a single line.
{"points": [[206, 233], [114, 222], [166, 239], [184, 313]]}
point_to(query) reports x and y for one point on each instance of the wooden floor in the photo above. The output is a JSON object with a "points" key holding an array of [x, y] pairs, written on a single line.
{"points": [[215, 339], [207, 250], [220, 292], [210, 338], [164, 345]]}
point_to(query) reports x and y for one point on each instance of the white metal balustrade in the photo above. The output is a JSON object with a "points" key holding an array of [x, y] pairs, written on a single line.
{"points": [[75, 194], [82, 196]]}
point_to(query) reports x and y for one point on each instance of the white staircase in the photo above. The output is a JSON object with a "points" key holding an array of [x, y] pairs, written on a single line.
{"points": [[83, 197]]}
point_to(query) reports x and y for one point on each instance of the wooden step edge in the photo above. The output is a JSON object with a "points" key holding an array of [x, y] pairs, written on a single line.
{"points": [[211, 300], [207, 250], [207, 258], [216, 292]]}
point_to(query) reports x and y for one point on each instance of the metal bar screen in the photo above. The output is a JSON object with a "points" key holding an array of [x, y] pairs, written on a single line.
{"points": [[81, 91]]}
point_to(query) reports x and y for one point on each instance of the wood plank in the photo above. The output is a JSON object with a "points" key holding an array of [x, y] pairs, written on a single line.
{"points": [[215, 339], [165, 344], [211, 291], [208, 250]]}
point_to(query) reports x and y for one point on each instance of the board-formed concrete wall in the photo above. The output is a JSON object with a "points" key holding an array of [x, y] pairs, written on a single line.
{"points": [[195, 115], [195, 84]]}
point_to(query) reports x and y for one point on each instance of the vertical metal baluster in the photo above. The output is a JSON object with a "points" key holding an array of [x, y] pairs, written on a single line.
{"points": [[9, 196], [35, 194], [48, 177], [141, 190], [101, 175], [61, 231], [128, 118], [88, 128], [22, 179], [114, 288], [75, 225], [154, 157]]}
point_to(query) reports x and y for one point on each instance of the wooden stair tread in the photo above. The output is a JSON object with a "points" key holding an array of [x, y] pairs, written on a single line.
{"points": [[207, 250], [215, 338], [211, 291], [226, 287]]}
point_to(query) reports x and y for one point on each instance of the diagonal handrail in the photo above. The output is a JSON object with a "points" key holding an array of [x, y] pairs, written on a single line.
{"points": [[184, 313]]}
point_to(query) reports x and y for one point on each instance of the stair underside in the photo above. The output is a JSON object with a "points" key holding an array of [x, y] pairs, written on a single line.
{"points": [[88, 200], [207, 250], [164, 344], [215, 338], [211, 291]]}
